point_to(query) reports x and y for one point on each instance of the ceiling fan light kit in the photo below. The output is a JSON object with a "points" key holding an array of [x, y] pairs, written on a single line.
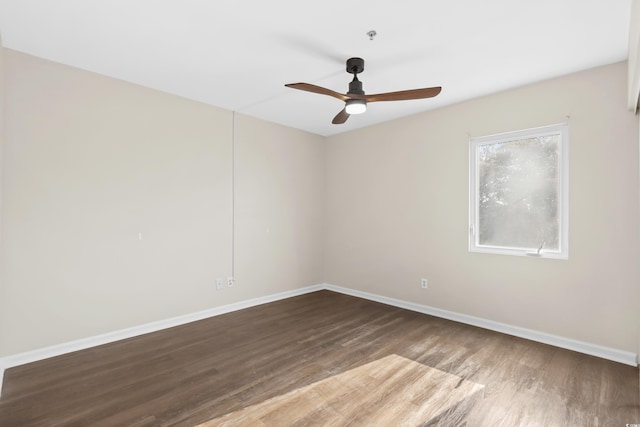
{"points": [[355, 106], [356, 100]]}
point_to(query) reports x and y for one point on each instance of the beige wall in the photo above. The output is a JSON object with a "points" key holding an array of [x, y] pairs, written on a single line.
{"points": [[3, 296], [278, 207], [634, 56], [397, 210], [92, 162]]}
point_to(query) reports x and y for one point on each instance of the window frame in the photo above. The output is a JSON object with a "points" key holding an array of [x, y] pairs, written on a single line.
{"points": [[561, 129]]}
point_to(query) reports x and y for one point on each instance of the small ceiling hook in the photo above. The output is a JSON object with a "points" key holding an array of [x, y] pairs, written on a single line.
{"points": [[372, 34]]}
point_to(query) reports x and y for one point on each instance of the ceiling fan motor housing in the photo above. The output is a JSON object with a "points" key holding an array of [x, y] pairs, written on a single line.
{"points": [[355, 87]]}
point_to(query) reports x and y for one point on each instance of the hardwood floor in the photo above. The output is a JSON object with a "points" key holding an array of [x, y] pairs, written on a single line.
{"points": [[363, 397], [195, 373]]}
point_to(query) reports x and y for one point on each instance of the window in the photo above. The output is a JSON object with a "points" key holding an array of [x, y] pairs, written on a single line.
{"points": [[518, 193]]}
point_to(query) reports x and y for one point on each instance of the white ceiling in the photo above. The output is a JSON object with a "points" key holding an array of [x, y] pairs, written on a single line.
{"points": [[238, 54]]}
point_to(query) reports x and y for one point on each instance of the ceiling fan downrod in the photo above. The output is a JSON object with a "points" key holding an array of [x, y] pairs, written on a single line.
{"points": [[355, 66]]}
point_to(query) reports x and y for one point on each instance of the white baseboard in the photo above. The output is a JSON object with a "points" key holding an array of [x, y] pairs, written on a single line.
{"points": [[84, 343], [615, 355]]}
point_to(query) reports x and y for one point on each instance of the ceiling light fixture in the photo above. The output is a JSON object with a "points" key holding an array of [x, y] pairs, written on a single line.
{"points": [[355, 106]]}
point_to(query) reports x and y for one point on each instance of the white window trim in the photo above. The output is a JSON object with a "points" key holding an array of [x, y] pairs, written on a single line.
{"points": [[563, 201]]}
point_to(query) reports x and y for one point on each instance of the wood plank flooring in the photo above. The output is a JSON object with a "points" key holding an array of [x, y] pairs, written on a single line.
{"points": [[391, 391], [195, 373]]}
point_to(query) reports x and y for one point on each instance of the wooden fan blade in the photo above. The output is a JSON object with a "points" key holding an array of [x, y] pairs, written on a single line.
{"points": [[341, 117], [402, 95], [317, 89]]}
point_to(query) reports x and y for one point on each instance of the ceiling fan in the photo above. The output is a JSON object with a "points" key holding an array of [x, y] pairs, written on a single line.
{"points": [[355, 100]]}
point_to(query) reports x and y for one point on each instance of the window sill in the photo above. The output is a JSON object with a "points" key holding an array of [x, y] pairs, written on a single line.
{"points": [[520, 252]]}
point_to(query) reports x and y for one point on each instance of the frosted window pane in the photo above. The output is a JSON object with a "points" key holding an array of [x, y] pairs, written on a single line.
{"points": [[518, 193]]}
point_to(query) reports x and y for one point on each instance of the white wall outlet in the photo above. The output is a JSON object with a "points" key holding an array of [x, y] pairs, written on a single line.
{"points": [[219, 283], [230, 281], [423, 283]]}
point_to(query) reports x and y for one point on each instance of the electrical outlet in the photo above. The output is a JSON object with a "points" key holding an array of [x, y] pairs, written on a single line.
{"points": [[219, 284], [230, 281], [423, 283]]}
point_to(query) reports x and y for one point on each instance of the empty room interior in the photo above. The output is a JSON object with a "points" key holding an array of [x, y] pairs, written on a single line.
{"points": [[185, 240]]}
